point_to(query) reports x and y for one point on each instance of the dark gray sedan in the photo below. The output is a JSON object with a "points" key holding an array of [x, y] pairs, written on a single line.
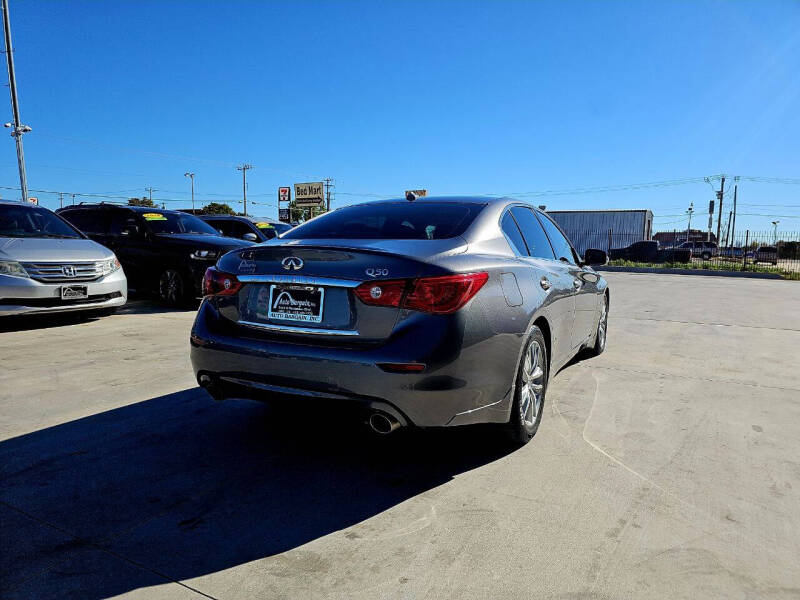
{"points": [[431, 312]]}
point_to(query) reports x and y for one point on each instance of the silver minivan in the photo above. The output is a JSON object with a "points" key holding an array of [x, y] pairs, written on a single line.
{"points": [[46, 265]]}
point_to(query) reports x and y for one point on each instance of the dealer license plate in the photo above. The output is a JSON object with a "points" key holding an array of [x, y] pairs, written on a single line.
{"points": [[289, 302], [74, 292]]}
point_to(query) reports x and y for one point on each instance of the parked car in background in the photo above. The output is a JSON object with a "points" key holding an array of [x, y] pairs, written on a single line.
{"points": [[46, 265], [730, 252], [436, 312], [649, 251], [162, 251], [704, 250], [764, 254], [251, 229]]}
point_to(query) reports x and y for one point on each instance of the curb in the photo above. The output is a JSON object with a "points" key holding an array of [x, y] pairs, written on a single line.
{"points": [[701, 272]]}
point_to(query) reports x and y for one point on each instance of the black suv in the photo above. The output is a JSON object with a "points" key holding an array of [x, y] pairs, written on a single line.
{"points": [[246, 228], [165, 251]]}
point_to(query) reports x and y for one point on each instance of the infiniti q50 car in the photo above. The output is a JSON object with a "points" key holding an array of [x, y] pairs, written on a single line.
{"points": [[431, 312]]}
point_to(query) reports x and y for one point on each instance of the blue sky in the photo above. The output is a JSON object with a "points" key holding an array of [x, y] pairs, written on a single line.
{"points": [[459, 97]]}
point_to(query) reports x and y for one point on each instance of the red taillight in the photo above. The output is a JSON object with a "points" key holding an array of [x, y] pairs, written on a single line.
{"points": [[219, 283], [382, 293], [438, 295]]}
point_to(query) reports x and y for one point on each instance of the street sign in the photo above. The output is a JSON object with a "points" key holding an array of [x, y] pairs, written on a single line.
{"points": [[309, 194], [284, 194], [417, 193], [283, 215]]}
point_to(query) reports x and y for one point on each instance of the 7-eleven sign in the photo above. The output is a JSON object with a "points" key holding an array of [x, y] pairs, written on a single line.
{"points": [[284, 194]]}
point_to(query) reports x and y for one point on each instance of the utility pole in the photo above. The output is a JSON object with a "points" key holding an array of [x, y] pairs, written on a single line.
{"points": [[775, 232], [689, 226], [728, 232], [18, 129], [244, 168], [328, 186], [719, 196], [73, 199], [733, 226], [151, 190], [191, 176], [60, 199]]}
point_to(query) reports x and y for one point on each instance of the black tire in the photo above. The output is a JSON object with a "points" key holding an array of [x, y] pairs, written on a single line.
{"points": [[172, 288], [521, 428], [602, 331]]}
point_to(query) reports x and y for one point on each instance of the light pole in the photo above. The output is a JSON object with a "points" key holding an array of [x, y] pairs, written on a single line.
{"points": [[775, 232], [689, 226], [244, 168], [17, 128], [191, 176]]}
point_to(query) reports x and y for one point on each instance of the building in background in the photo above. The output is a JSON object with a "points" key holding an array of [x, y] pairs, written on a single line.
{"points": [[604, 229]]}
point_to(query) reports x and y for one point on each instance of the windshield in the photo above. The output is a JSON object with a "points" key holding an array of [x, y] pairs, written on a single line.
{"points": [[391, 221], [170, 222], [281, 227], [26, 221]]}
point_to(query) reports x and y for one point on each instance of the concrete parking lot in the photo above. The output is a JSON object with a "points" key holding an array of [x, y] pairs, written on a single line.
{"points": [[669, 467]]}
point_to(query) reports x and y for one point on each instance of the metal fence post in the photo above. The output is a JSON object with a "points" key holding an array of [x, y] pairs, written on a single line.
{"points": [[744, 250]]}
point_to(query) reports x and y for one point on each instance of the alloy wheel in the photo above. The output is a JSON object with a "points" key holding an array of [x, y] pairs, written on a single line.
{"points": [[170, 286], [532, 384], [603, 325]]}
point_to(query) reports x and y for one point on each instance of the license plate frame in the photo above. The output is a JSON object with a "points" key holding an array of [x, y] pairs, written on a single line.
{"points": [[74, 292], [300, 312]]}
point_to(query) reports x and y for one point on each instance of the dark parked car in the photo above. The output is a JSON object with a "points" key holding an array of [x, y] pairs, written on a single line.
{"points": [[436, 312], [251, 229], [700, 249], [164, 251], [649, 251], [764, 254]]}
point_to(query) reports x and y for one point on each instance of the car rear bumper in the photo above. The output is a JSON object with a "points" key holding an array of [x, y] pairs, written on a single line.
{"points": [[461, 384], [19, 296]]}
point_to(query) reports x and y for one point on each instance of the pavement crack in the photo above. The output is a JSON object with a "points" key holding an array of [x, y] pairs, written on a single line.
{"points": [[708, 323]]}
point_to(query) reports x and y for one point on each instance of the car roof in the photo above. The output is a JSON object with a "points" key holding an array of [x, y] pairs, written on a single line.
{"points": [[448, 199], [138, 209]]}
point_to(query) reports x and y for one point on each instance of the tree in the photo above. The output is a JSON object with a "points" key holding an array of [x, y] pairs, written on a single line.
{"points": [[218, 208], [141, 202]]}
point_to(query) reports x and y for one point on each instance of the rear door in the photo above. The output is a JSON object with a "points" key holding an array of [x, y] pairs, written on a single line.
{"points": [[583, 280], [549, 274]]}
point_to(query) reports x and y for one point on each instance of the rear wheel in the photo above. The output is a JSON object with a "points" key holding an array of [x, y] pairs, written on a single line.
{"points": [[172, 288], [531, 385]]}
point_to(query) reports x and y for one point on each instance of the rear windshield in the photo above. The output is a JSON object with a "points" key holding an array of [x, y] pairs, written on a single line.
{"points": [[391, 221]]}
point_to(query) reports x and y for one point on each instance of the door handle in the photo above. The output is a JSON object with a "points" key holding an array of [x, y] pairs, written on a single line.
{"points": [[545, 283]]}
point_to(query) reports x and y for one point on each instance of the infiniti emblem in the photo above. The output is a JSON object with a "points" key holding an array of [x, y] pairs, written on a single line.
{"points": [[292, 263], [68, 270]]}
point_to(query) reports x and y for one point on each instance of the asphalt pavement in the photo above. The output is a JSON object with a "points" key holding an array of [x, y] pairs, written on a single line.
{"points": [[668, 467]]}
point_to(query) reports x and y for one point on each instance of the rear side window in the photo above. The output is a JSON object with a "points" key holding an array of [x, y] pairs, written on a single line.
{"points": [[88, 221], [509, 227], [561, 246], [535, 238], [391, 221]]}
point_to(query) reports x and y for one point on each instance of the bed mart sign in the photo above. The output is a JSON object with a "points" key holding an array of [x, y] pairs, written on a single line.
{"points": [[309, 194]]}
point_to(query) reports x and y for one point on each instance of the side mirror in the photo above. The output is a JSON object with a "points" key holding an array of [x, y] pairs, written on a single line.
{"points": [[250, 237], [595, 257]]}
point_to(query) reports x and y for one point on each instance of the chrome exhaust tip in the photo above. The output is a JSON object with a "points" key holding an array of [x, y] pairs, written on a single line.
{"points": [[383, 423]]}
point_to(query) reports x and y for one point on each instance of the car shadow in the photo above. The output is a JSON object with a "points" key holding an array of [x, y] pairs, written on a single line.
{"points": [[182, 486]]}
